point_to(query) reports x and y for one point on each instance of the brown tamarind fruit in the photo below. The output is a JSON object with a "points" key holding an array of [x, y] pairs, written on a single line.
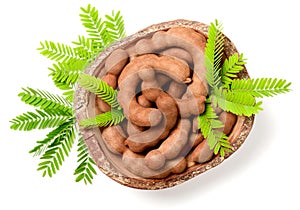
{"points": [[177, 70], [143, 101], [200, 154], [114, 138], [179, 54], [135, 163], [170, 147], [116, 61], [142, 116], [191, 106], [229, 120]]}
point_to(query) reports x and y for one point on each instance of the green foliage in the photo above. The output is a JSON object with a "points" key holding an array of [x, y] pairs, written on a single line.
{"points": [[38, 120], [46, 101], [110, 118], [43, 144], [99, 87], [236, 103], [85, 171], [114, 28], [93, 23], [87, 48], [55, 111], [261, 87], [59, 143], [213, 54], [65, 75], [103, 31], [57, 51], [210, 127], [231, 66], [237, 96]]}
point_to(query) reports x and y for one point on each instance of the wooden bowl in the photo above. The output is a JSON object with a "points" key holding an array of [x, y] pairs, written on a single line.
{"points": [[84, 103]]}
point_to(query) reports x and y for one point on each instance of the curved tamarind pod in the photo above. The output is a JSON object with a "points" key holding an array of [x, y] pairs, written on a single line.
{"points": [[144, 46], [127, 92], [177, 70], [133, 129], [175, 166], [195, 124], [176, 89], [114, 138], [194, 140], [135, 163], [201, 154], [197, 87], [171, 146], [101, 105], [150, 85], [116, 61], [162, 79], [176, 140], [167, 105], [187, 39], [178, 53], [144, 102], [141, 141], [191, 106], [229, 120], [142, 116]]}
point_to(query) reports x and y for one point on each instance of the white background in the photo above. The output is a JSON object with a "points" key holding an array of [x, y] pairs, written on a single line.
{"points": [[264, 173]]}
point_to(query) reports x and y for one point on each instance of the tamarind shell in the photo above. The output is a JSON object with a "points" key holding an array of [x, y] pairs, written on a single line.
{"points": [[110, 165]]}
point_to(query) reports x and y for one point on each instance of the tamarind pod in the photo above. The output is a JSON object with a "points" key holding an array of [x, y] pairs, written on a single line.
{"points": [[191, 106], [144, 46], [176, 90], [135, 164], [229, 120], [176, 140], [101, 105], [133, 129], [127, 92], [171, 146], [200, 154], [175, 166], [167, 105], [151, 90], [144, 102], [150, 86], [114, 138], [152, 83], [150, 93], [162, 79], [177, 70], [116, 61], [197, 87], [179, 54], [142, 116], [193, 141], [184, 38], [139, 142], [196, 39], [195, 124]]}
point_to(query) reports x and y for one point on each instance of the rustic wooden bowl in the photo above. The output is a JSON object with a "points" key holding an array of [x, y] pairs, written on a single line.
{"points": [[84, 103]]}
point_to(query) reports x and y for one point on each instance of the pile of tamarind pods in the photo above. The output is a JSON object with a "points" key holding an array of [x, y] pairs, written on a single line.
{"points": [[162, 90]]}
